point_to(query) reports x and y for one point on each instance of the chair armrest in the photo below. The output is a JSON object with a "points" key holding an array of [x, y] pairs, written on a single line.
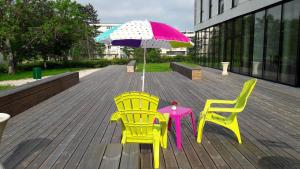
{"points": [[115, 117], [221, 101], [224, 110]]}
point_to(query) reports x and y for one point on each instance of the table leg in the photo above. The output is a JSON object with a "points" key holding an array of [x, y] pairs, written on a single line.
{"points": [[178, 132], [193, 123], [170, 124]]}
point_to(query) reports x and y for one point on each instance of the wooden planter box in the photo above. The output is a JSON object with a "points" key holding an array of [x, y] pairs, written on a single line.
{"points": [[191, 73], [131, 66], [17, 100]]}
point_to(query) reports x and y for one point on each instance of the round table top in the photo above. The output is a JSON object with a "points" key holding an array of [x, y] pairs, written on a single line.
{"points": [[178, 112]]}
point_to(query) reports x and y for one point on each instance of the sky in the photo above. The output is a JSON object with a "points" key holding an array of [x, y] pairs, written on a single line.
{"points": [[177, 13]]}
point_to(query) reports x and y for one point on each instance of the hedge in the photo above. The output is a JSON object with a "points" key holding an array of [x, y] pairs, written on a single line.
{"points": [[165, 59], [67, 64]]}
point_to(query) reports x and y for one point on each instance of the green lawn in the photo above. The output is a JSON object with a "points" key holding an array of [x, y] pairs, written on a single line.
{"points": [[189, 64], [154, 67], [28, 74], [6, 87], [161, 67]]}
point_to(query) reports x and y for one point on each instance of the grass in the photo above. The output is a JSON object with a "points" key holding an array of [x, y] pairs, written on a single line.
{"points": [[161, 67], [28, 74], [154, 67], [6, 87], [189, 64]]}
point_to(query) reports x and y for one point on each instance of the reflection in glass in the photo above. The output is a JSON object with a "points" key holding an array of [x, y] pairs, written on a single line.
{"points": [[289, 44], [236, 56], [216, 47], [222, 44], [228, 41], [258, 44], [272, 45], [235, 3], [246, 44], [221, 6], [203, 49], [210, 48]]}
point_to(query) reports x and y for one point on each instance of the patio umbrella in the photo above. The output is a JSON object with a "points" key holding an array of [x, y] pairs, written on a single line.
{"points": [[144, 34]]}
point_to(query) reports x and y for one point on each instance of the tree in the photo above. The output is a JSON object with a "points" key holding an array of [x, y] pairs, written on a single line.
{"points": [[91, 29], [152, 55], [128, 51], [16, 30], [100, 47], [44, 28]]}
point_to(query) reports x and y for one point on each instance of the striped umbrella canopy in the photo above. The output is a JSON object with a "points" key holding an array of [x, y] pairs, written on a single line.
{"points": [[144, 34]]}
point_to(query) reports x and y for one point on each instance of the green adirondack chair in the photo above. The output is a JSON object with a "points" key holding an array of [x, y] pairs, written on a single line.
{"points": [[137, 113], [230, 122]]}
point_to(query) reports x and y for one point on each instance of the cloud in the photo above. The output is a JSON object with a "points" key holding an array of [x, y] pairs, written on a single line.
{"points": [[178, 13]]}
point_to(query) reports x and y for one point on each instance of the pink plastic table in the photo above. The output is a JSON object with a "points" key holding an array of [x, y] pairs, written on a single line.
{"points": [[176, 115]]}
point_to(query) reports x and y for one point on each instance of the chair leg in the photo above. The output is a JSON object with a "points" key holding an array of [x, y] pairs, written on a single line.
{"points": [[200, 129], [236, 130], [164, 136], [156, 153], [123, 137], [164, 139]]}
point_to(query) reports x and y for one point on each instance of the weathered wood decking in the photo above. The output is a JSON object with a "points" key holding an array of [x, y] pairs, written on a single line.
{"points": [[72, 129]]}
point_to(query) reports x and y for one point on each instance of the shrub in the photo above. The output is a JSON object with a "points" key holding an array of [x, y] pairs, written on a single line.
{"points": [[118, 61], [97, 63], [3, 68], [28, 66]]}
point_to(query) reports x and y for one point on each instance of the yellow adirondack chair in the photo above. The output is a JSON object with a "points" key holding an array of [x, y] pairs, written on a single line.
{"points": [[137, 112], [230, 122]]}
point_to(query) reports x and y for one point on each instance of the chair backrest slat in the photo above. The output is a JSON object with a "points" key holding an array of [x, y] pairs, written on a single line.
{"points": [[136, 101], [138, 112], [245, 93], [140, 122]]}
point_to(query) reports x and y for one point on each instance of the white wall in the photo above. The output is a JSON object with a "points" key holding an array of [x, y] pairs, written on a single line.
{"points": [[244, 7]]}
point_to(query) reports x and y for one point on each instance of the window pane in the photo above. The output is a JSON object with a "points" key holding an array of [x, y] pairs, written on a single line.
{"points": [[246, 44], [289, 44], [216, 47], [200, 47], [221, 6], [204, 51], [210, 8], [258, 44], [236, 57], [235, 3], [210, 48], [228, 41], [201, 11], [272, 46], [222, 44]]}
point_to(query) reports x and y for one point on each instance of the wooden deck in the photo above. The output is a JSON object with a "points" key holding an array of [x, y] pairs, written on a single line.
{"points": [[72, 129]]}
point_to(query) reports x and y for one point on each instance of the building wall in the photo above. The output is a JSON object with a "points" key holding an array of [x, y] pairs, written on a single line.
{"points": [[263, 43], [110, 51], [244, 7]]}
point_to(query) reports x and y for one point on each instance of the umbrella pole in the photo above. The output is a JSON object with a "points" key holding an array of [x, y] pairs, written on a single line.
{"points": [[143, 77]]}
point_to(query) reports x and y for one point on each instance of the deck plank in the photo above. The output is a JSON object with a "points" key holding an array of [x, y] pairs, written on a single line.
{"points": [[72, 129]]}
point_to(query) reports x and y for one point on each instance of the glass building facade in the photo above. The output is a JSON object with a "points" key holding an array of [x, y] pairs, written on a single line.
{"points": [[263, 44]]}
